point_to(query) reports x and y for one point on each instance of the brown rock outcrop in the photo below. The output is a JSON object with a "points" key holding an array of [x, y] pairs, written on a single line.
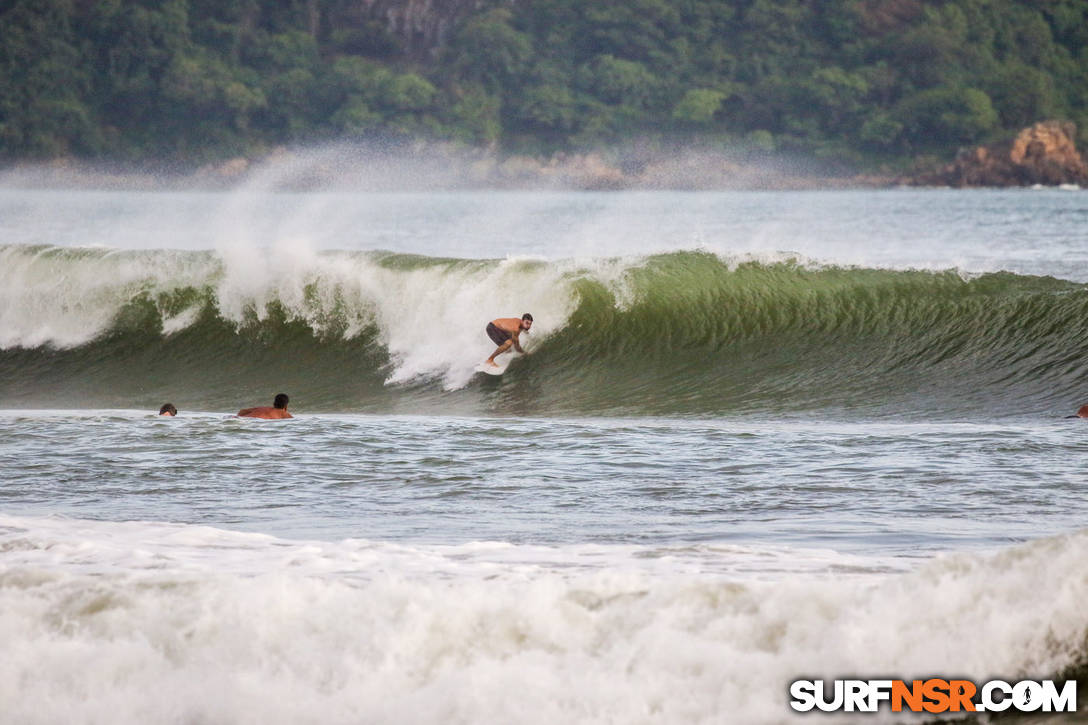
{"points": [[1041, 154]]}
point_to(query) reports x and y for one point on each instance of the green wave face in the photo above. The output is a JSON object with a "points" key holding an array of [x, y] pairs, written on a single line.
{"points": [[683, 333]]}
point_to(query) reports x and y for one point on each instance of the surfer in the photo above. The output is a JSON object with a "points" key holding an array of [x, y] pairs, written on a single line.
{"points": [[504, 332], [277, 411], [168, 410]]}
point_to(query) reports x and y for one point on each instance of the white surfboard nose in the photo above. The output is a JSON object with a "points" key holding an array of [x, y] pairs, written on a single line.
{"points": [[490, 369]]}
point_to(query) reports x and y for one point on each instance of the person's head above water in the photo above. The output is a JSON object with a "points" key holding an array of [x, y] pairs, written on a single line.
{"points": [[168, 409], [526, 321], [276, 412]]}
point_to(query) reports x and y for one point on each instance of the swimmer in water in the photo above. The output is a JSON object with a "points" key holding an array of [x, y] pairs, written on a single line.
{"points": [[276, 412]]}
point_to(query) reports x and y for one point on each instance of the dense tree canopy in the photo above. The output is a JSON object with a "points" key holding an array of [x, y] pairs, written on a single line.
{"points": [[193, 80]]}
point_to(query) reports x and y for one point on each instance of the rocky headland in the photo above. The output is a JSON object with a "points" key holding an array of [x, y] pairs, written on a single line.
{"points": [[1043, 154]]}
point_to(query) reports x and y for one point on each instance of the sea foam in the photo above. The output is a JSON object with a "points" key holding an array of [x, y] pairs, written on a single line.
{"points": [[140, 622]]}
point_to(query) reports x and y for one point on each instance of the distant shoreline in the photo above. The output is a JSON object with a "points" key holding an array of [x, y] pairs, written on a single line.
{"points": [[438, 168]]}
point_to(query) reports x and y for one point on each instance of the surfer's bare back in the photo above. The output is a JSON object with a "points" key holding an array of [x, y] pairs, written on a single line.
{"points": [[505, 332], [276, 412]]}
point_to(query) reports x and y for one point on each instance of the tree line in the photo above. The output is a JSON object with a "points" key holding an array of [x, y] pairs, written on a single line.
{"points": [[862, 80]]}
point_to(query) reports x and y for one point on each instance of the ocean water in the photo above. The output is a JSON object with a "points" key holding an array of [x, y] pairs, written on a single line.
{"points": [[757, 436]]}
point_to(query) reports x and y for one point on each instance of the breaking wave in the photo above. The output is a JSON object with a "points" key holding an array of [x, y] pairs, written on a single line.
{"points": [[682, 333]]}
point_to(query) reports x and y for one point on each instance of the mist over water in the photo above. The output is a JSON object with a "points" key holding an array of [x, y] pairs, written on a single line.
{"points": [[346, 197]]}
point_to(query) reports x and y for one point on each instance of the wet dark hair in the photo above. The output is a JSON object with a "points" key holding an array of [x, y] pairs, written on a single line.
{"points": [[280, 401], [168, 408], [527, 316]]}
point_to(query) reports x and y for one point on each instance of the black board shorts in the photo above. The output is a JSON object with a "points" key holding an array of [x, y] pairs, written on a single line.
{"points": [[497, 336]]}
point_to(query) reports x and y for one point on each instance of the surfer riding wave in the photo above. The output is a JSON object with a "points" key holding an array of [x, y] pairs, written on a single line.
{"points": [[505, 332]]}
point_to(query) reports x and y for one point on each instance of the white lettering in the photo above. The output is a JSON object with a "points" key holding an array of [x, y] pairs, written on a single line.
{"points": [[879, 691], [989, 703], [856, 695], [1066, 701], [994, 696], [829, 705], [1027, 696], [803, 693]]}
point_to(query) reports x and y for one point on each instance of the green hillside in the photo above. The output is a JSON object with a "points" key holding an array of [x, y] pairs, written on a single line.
{"points": [[865, 80]]}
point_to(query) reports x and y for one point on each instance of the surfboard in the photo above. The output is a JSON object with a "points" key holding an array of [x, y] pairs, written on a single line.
{"points": [[489, 369]]}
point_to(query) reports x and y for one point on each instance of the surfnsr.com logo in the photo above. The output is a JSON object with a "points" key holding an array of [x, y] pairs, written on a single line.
{"points": [[933, 696]]}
